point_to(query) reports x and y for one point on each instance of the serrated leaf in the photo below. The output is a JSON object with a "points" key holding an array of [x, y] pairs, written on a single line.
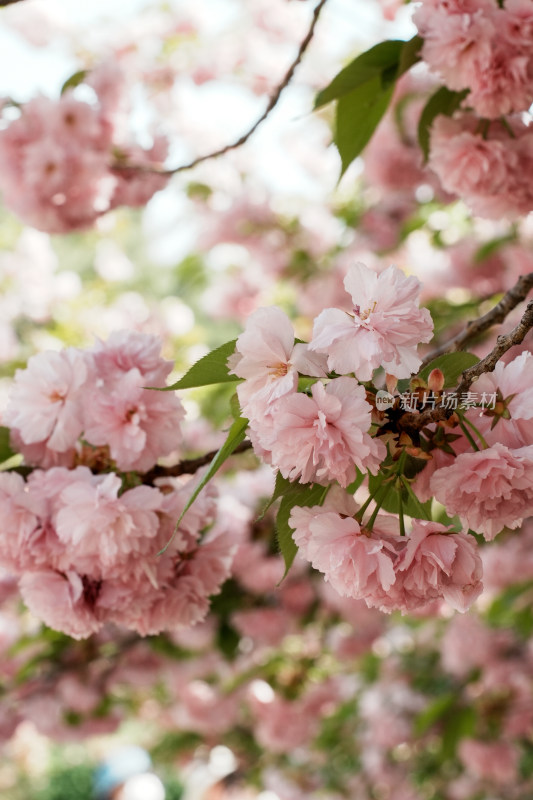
{"points": [[236, 435], [444, 101], [282, 486], [74, 80], [297, 495], [365, 68], [210, 369], [357, 117], [452, 366]]}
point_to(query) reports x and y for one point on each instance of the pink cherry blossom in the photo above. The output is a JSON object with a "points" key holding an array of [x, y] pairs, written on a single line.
{"points": [[489, 489], [138, 424], [323, 437], [18, 512], [384, 329], [476, 46], [438, 563], [45, 404], [269, 361], [64, 601], [129, 349], [486, 171], [515, 381], [456, 45], [103, 531], [57, 160], [496, 762], [356, 564]]}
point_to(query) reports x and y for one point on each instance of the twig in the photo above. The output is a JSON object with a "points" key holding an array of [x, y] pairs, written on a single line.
{"points": [[8, 2], [415, 422], [244, 138], [495, 316], [188, 467]]}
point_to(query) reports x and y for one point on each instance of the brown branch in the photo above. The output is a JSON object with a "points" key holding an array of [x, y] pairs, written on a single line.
{"points": [[8, 2], [415, 422], [244, 138], [188, 467], [495, 316]]}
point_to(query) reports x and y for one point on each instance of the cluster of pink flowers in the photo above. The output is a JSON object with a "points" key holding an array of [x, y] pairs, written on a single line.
{"points": [[58, 159], [488, 166], [323, 435], [482, 46], [386, 570], [492, 488], [99, 397], [86, 551]]}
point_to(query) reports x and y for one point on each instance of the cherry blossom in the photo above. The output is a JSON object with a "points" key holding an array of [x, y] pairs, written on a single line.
{"points": [[384, 329]]}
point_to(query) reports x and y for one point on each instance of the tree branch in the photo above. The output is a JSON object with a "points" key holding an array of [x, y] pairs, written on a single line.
{"points": [[188, 467], [495, 316], [244, 138], [415, 422], [8, 2]]}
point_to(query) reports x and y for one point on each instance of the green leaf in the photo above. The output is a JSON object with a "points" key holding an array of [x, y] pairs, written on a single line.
{"points": [[391, 503], [6, 450], [433, 713], [354, 486], [297, 495], [281, 487], [513, 609], [492, 246], [458, 724], [365, 68], [358, 115], [236, 435], [74, 80], [410, 54], [210, 369], [444, 101], [452, 365]]}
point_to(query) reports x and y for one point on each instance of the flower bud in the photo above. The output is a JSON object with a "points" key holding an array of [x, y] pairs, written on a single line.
{"points": [[436, 380]]}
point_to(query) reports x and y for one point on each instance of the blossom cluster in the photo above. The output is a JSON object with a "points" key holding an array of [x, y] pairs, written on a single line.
{"points": [[486, 164], [483, 46], [65, 400], [86, 551], [63, 163], [323, 436], [387, 570], [331, 429], [84, 544]]}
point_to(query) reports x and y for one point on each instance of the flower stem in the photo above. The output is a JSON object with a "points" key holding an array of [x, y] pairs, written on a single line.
{"points": [[400, 508], [477, 432], [380, 499], [468, 435]]}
